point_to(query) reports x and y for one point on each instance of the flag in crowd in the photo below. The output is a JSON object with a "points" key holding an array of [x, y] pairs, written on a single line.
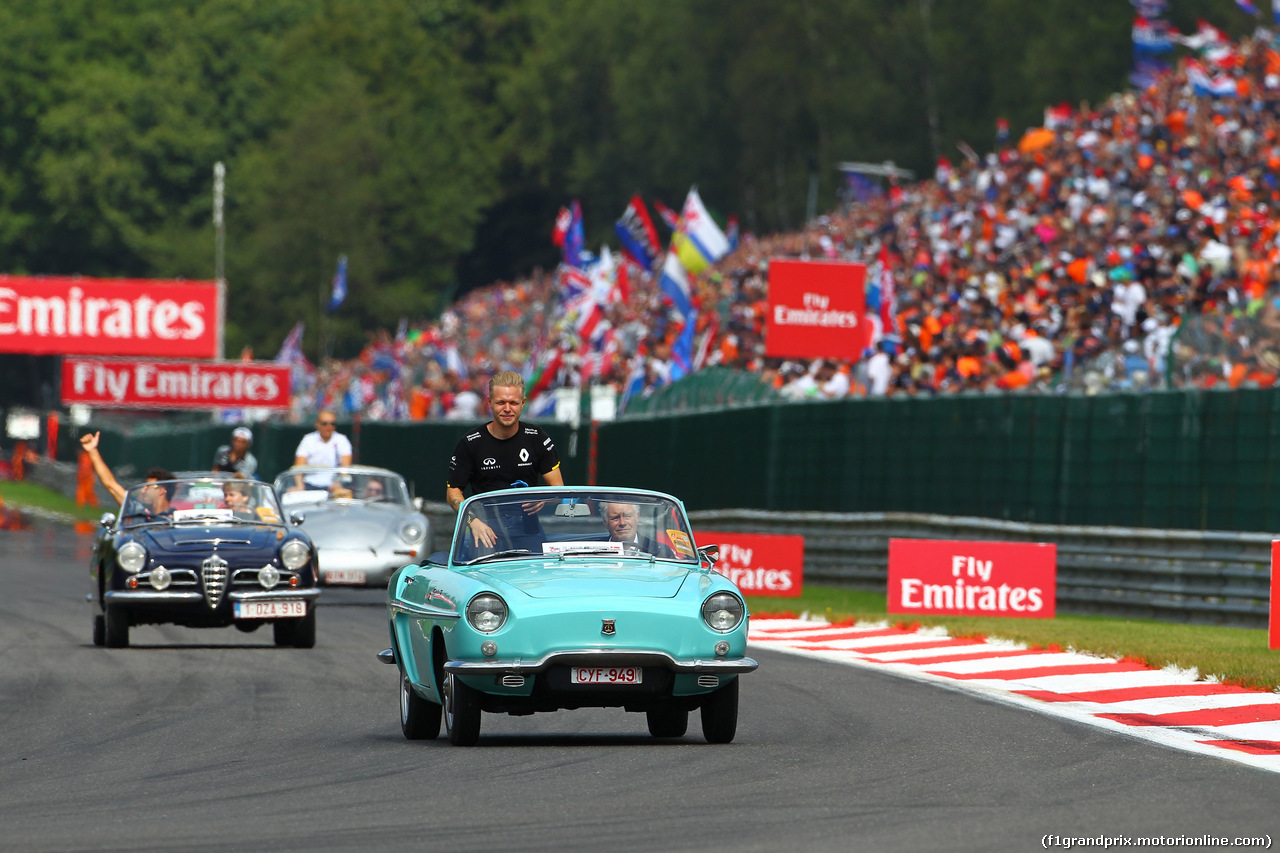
{"points": [[568, 234], [639, 237], [862, 188], [300, 370], [668, 216], [709, 335], [339, 293], [1247, 7], [1152, 42], [682, 349], [572, 282], [675, 283], [699, 241], [291, 349], [1217, 86]]}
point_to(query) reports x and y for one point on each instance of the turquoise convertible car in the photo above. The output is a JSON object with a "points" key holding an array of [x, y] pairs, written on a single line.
{"points": [[562, 598]]}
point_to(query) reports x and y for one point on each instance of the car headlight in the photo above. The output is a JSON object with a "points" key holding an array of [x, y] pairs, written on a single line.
{"points": [[413, 530], [131, 557], [722, 611], [487, 612], [294, 554]]}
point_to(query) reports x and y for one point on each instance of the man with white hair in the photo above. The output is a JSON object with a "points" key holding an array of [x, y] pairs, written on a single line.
{"points": [[235, 457]]}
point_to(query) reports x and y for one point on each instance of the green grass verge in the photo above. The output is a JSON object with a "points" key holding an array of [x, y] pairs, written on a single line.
{"points": [[28, 495], [1234, 655]]}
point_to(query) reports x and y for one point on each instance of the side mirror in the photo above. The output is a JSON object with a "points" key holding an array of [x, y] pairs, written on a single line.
{"points": [[296, 518], [419, 503], [108, 519], [709, 554]]}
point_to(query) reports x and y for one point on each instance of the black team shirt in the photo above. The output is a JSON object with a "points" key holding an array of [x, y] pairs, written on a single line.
{"points": [[486, 463]]}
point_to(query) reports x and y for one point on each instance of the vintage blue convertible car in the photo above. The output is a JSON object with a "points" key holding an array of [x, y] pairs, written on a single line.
{"points": [[202, 552], [559, 598]]}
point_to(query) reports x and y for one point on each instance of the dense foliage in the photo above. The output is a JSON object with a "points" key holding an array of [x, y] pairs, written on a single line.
{"points": [[431, 141]]}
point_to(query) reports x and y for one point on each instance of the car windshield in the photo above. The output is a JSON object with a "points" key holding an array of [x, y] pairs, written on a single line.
{"points": [[300, 486], [201, 499], [573, 524]]}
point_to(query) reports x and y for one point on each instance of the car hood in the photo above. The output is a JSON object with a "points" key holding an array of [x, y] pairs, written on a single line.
{"points": [[582, 578], [351, 526], [189, 538]]}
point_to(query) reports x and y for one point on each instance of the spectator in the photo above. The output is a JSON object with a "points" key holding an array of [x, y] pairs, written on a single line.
{"points": [[235, 457]]}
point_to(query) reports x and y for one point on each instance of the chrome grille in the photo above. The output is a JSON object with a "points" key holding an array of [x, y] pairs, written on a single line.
{"points": [[513, 681], [214, 572], [708, 681]]}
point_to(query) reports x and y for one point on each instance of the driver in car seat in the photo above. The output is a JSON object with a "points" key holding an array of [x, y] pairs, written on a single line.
{"points": [[623, 522]]}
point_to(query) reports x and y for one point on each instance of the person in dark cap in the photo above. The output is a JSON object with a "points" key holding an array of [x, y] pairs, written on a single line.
{"points": [[235, 457]]}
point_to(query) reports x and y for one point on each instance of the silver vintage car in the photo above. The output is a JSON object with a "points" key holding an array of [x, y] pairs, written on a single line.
{"points": [[362, 520]]}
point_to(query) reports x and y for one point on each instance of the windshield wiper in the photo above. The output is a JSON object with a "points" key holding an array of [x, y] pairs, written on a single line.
{"points": [[510, 552]]}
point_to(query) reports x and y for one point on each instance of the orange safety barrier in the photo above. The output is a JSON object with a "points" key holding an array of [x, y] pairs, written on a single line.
{"points": [[85, 494]]}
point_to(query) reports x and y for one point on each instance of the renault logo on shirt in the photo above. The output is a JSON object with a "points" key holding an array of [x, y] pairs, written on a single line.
{"points": [[524, 455]]}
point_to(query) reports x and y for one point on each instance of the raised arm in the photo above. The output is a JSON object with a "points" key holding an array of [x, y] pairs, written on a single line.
{"points": [[89, 441]]}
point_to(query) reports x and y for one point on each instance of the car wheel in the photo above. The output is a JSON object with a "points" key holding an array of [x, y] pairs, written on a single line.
{"points": [[668, 722], [296, 633], [419, 719], [115, 628], [461, 712], [282, 631], [304, 632], [720, 714], [99, 630]]}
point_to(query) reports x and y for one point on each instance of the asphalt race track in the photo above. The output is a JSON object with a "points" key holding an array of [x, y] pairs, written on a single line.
{"points": [[216, 740]]}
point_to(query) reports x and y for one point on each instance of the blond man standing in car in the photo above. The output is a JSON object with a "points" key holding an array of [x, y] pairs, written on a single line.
{"points": [[502, 453]]}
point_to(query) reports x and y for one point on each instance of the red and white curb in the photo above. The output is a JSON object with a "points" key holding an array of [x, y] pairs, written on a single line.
{"points": [[1168, 706]]}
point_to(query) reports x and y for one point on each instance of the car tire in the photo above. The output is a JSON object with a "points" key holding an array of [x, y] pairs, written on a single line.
{"points": [[99, 629], [115, 628], [282, 632], [296, 633], [667, 722], [304, 632], [720, 714], [461, 711], [419, 719]]}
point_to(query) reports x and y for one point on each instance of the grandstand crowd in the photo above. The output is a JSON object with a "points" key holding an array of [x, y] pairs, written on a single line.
{"points": [[1127, 245]]}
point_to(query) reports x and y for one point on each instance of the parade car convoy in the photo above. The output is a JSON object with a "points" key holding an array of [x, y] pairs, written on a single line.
{"points": [[556, 614]]}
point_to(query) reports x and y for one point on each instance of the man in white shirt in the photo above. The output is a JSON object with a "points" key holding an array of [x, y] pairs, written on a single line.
{"points": [[324, 448], [879, 373]]}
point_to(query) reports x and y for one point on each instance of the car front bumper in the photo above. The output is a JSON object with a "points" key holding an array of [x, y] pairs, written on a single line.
{"points": [[604, 657], [165, 597]]}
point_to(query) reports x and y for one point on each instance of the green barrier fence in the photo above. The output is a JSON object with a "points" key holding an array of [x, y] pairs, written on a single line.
{"points": [[1195, 459], [420, 452]]}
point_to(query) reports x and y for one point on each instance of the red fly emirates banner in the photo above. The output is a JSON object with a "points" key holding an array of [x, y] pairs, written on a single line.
{"points": [[759, 563], [124, 384], [110, 316], [962, 578], [817, 309]]}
